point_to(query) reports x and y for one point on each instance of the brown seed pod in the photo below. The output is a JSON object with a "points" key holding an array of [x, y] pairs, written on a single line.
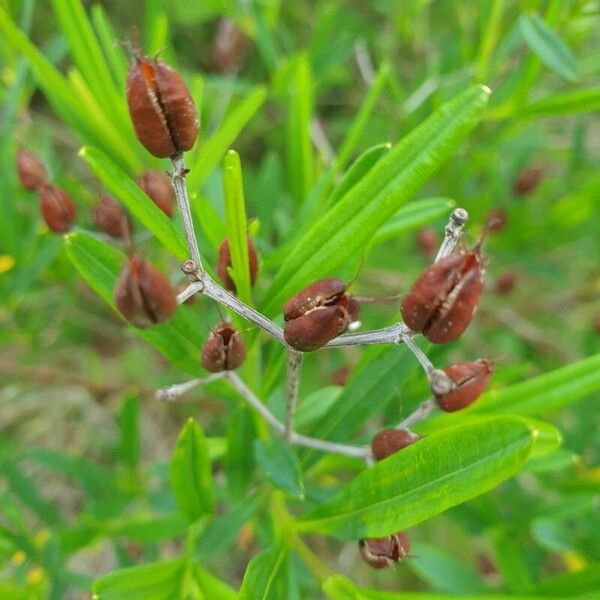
{"points": [[143, 294], [470, 379], [161, 108], [505, 284], [109, 216], [224, 261], [230, 47], [30, 170], [444, 298], [496, 220], [158, 188], [427, 240], [380, 553], [317, 314], [224, 350], [340, 376], [57, 208], [527, 181], [389, 441]]}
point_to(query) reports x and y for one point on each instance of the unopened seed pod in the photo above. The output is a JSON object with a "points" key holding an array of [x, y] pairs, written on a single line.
{"points": [[30, 170], [110, 217], [161, 108], [143, 295], [224, 262], [470, 379], [224, 350], [527, 181], [389, 441], [496, 220], [57, 208], [380, 553], [505, 284], [317, 314], [444, 298], [427, 240], [159, 189]]}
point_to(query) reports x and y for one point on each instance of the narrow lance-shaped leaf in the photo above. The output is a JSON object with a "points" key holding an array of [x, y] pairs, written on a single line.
{"points": [[439, 471], [266, 576], [280, 465], [345, 229]]}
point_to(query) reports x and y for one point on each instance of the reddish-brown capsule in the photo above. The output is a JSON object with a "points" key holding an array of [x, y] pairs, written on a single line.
{"points": [[505, 284], [317, 314], [380, 553], [57, 208], [161, 108], [30, 170], [527, 180], [341, 376], [224, 350], [389, 441], [158, 188], [224, 262], [444, 298], [109, 216], [143, 295], [496, 220], [230, 47], [427, 240], [470, 379]]}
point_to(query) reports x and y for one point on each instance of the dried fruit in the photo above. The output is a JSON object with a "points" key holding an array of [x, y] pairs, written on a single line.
{"points": [[444, 298], [158, 187], [496, 220], [505, 284], [380, 553], [427, 240], [30, 170], [224, 350], [110, 217], [389, 441], [224, 261], [230, 47], [317, 314], [527, 180], [161, 108], [143, 295], [470, 379], [57, 208]]}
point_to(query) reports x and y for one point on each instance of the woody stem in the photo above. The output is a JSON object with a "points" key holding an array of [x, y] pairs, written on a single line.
{"points": [[294, 365]]}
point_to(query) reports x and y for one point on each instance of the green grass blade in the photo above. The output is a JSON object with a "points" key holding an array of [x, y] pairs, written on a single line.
{"points": [[266, 576], [579, 101], [107, 38]]}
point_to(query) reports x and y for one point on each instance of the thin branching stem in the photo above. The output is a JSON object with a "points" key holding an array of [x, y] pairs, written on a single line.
{"points": [[294, 366]]}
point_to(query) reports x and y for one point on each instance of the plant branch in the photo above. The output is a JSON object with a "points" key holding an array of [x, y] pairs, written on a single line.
{"points": [[422, 411], [294, 365], [178, 389]]}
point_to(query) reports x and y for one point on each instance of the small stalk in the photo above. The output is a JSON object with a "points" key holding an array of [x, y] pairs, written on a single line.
{"points": [[294, 366]]}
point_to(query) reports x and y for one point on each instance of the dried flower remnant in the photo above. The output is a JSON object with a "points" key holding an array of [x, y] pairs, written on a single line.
{"points": [[317, 314], [57, 208], [380, 553], [158, 188], [161, 108], [143, 295], [224, 262], [527, 181], [470, 379], [30, 170], [110, 217], [224, 350], [389, 441]]}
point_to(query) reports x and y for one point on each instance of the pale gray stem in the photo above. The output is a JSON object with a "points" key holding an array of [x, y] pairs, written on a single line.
{"points": [[178, 389], [417, 352], [453, 232], [424, 409], [294, 365], [363, 452], [364, 62], [178, 180]]}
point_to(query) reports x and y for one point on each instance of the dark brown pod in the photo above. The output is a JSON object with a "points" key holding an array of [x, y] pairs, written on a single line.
{"points": [[389, 441], [496, 220], [444, 298], [527, 181], [380, 553], [505, 284], [109, 216], [224, 350], [317, 314], [30, 170], [340, 376], [230, 47], [224, 262], [143, 295], [470, 379], [427, 240], [159, 189], [161, 108], [57, 208]]}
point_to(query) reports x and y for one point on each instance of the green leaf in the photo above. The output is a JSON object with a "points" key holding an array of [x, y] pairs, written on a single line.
{"points": [[281, 466], [149, 529], [100, 265], [154, 581], [548, 46], [239, 460], [509, 550], [237, 227], [131, 195], [579, 101], [129, 434], [411, 217], [190, 472], [266, 576], [345, 229], [315, 405], [586, 582], [211, 587], [210, 154], [113, 51], [439, 471]]}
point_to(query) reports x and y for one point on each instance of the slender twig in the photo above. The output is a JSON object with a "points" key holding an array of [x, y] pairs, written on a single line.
{"points": [[423, 410], [178, 389], [364, 62], [294, 365]]}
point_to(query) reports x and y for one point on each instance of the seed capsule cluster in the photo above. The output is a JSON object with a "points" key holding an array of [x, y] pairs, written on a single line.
{"points": [[224, 350]]}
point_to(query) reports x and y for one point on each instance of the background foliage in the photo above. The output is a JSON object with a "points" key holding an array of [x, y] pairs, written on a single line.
{"points": [[96, 474]]}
